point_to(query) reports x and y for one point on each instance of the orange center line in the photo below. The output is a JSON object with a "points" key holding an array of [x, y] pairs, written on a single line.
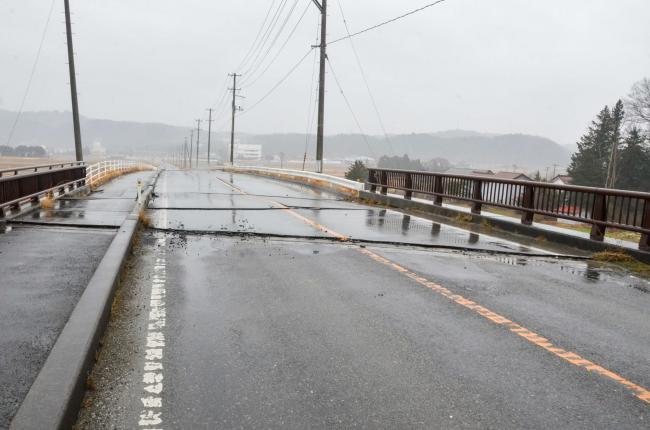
{"points": [[526, 334]]}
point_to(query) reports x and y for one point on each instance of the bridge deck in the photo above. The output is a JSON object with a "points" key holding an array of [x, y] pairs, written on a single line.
{"points": [[290, 327], [47, 257]]}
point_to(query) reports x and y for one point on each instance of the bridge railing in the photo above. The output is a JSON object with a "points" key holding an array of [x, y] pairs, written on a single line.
{"points": [[104, 171], [599, 207], [30, 169], [29, 184], [19, 186]]}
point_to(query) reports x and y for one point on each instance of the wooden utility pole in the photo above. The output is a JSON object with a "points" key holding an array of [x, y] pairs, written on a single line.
{"points": [[73, 84], [191, 146], [198, 135], [185, 154], [209, 133], [234, 90], [322, 6]]}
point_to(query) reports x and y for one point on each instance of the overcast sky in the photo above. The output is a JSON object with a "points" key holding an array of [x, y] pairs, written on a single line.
{"points": [[543, 67]]}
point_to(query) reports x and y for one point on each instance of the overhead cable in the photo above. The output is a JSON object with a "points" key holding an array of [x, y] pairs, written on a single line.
{"points": [[381, 24]]}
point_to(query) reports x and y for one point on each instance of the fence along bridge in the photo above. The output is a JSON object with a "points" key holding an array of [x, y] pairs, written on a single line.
{"points": [[600, 207]]}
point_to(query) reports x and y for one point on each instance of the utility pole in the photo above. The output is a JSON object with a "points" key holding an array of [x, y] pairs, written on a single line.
{"points": [[191, 146], [209, 133], [198, 134], [234, 90], [555, 166], [73, 85], [185, 154], [322, 6]]}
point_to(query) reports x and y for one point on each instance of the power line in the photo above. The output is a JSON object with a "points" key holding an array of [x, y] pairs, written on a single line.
{"points": [[259, 32], [277, 54], [347, 102], [254, 70], [365, 80], [284, 78], [31, 75], [266, 36], [381, 24]]}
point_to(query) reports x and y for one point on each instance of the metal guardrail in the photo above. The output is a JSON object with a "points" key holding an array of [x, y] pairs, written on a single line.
{"points": [[341, 182], [20, 170], [30, 184], [103, 171], [18, 189], [600, 207]]}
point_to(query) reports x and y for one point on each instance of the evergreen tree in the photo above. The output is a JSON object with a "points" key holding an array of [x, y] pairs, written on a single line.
{"points": [[357, 172], [615, 143], [589, 164], [634, 164]]}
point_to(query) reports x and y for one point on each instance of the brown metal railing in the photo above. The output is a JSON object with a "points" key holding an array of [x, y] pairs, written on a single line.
{"points": [[30, 169], [30, 187], [600, 207]]}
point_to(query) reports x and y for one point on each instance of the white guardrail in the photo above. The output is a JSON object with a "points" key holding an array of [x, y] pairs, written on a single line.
{"points": [[98, 173], [321, 177]]}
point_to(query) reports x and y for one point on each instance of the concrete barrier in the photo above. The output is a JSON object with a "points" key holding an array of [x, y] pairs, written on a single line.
{"points": [[317, 180]]}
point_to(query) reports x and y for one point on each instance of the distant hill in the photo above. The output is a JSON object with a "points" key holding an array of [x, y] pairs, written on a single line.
{"points": [[54, 131], [475, 149]]}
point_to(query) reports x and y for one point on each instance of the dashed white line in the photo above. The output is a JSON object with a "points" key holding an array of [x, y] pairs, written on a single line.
{"points": [[152, 377]]}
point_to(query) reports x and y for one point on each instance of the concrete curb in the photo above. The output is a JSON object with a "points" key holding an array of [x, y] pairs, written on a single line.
{"points": [[54, 398]]}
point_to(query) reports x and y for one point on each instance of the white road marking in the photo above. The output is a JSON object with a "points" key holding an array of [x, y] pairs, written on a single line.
{"points": [[152, 377]]}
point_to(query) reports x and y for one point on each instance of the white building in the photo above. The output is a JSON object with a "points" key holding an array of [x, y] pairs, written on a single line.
{"points": [[248, 152]]}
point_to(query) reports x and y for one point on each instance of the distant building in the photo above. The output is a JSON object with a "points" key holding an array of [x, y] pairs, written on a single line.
{"points": [[496, 193], [562, 180], [98, 149], [515, 176], [248, 152], [368, 161], [468, 172]]}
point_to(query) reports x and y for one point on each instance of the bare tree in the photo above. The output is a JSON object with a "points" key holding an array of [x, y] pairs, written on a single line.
{"points": [[638, 103]]}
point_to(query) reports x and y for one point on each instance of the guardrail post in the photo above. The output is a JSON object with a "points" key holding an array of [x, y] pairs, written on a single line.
{"points": [[644, 243], [477, 186], [408, 184], [383, 180], [527, 202], [372, 178], [599, 213], [438, 189]]}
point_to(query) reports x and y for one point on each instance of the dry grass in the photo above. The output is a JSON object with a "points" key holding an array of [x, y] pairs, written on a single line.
{"points": [[90, 383], [621, 258], [48, 202], [463, 218], [144, 219]]}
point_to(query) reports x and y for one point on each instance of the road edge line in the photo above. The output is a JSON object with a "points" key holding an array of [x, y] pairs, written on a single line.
{"points": [[55, 397]]}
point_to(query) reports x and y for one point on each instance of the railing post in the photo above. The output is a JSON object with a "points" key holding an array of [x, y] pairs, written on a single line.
{"points": [[644, 243], [408, 184], [383, 180], [599, 213], [477, 186], [527, 203], [372, 178], [438, 189]]}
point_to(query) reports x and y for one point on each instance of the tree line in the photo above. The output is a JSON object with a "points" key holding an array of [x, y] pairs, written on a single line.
{"points": [[615, 150], [22, 151]]}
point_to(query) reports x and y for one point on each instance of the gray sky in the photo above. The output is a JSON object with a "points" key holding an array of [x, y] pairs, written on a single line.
{"points": [[543, 67]]}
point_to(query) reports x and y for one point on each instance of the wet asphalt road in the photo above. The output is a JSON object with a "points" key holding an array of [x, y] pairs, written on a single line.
{"points": [[47, 258], [291, 331]]}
